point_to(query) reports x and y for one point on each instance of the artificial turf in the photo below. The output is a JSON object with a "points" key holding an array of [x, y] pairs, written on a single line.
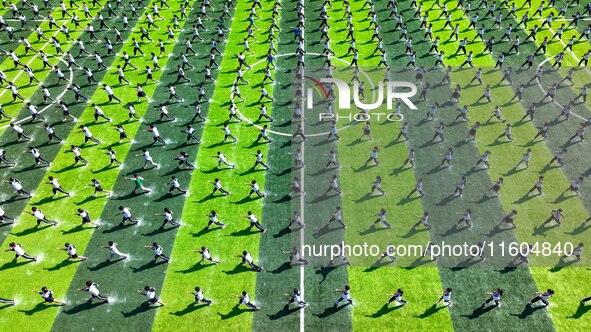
{"points": [[369, 281], [320, 278]]}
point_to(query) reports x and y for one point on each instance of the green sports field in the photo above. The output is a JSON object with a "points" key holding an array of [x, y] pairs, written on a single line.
{"points": [[296, 80]]}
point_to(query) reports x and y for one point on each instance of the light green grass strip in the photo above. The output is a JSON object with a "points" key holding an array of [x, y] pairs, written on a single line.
{"points": [[219, 282]]}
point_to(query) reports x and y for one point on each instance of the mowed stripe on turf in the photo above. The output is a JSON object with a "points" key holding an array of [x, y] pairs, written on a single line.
{"points": [[319, 278], [219, 282], [280, 277]]}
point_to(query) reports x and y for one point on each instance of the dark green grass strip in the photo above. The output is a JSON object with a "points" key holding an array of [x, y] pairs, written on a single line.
{"points": [[221, 281], [26, 171], [20, 78], [279, 278], [320, 280], [419, 283], [139, 271]]}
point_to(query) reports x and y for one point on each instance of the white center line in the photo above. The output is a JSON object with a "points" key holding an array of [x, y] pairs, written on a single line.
{"points": [[303, 189]]}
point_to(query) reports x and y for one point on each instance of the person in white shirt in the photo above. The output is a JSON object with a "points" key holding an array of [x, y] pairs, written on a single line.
{"points": [[77, 155], [245, 299], [247, 259], [40, 216], [85, 216], [222, 160], [92, 288], [114, 251], [155, 134], [446, 297], [87, 135], [158, 252], [51, 135], [147, 158], [175, 185], [190, 131], [382, 216], [525, 159], [206, 255], [213, 219], [494, 296], [183, 160], [110, 93], [56, 186], [150, 293], [466, 217], [296, 297], [396, 297], [168, 218], [255, 189], [18, 187], [4, 160], [126, 213], [333, 185], [556, 215], [20, 132], [542, 296], [198, 295], [228, 134], [345, 295], [47, 295], [295, 256], [259, 160], [575, 186], [577, 251], [98, 188], [254, 221], [19, 252], [337, 216], [4, 217], [72, 252]]}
